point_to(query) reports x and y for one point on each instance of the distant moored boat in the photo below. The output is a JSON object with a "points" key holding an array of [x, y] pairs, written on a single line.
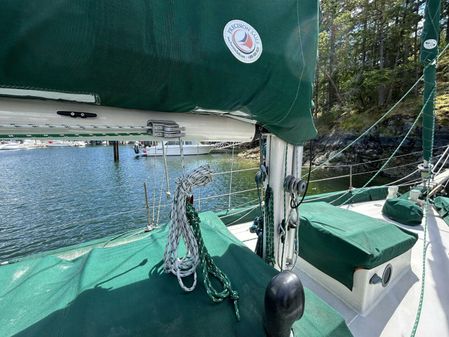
{"points": [[172, 148]]}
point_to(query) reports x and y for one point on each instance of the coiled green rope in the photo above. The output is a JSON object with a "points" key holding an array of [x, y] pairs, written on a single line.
{"points": [[209, 267], [269, 227]]}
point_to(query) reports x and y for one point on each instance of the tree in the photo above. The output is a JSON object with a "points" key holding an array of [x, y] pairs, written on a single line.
{"points": [[369, 53]]}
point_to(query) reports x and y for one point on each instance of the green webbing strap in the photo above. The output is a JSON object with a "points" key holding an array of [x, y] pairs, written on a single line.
{"points": [[209, 266], [269, 226]]}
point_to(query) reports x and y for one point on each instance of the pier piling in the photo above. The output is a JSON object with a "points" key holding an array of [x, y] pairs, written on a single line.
{"points": [[116, 151]]}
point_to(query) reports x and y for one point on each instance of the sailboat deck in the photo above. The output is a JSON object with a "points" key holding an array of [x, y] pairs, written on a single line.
{"points": [[122, 290], [395, 314]]}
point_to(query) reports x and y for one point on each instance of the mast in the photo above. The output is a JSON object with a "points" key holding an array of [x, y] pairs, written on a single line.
{"points": [[284, 163], [429, 54]]}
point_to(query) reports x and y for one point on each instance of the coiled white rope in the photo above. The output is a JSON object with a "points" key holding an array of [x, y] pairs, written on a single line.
{"points": [[180, 229]]}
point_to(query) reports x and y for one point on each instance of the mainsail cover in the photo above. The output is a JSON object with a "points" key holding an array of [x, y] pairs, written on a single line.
{"points": [[429, 53], [253, 57]]}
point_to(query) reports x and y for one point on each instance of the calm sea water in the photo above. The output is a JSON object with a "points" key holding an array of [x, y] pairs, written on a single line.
{"points": [[55, 197]]}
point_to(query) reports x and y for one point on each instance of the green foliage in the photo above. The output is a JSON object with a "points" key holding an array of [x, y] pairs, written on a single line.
{"points": [[442, 98], [368, 58]]}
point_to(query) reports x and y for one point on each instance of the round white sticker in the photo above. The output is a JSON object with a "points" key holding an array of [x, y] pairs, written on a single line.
{"points": [[243, 41], [430, 43]]}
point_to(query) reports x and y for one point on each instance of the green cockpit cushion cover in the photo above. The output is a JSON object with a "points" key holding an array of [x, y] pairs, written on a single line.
{"points": [[338, 241], [442, 206], [355, 195], [403, 211], [123, 291], [247, 214]]}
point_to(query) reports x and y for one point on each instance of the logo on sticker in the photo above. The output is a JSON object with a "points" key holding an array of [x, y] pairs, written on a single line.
{"points": [[243, 41], [430, 43]]}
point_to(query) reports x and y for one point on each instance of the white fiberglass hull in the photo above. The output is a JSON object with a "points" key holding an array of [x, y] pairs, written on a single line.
{"points": [[59, 144], [11, 147]]}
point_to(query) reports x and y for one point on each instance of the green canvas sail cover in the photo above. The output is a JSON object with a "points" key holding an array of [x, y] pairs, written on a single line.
{"points": [[254, 57], [429, 53], [430, 33]]}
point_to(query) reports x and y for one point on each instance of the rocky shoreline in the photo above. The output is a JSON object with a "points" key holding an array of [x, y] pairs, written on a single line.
{"points": [[377, 145]]}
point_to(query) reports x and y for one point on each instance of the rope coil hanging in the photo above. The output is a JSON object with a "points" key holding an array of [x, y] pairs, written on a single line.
{"points": [[269, 219], [185, 225]]}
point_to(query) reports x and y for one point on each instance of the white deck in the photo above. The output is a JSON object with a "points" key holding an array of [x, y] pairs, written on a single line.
{"points": [[242, 233], [394, 316]]}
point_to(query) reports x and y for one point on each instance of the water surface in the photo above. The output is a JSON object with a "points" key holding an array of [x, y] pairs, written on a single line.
{"points": [[55, 197]]}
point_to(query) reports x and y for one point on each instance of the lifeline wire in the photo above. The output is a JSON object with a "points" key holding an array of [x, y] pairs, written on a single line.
{"points": [[381, 118]]}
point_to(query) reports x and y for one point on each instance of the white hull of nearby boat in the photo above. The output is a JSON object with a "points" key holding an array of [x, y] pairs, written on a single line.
{"points": [[59, 144], [174, 150], [11, 147]]}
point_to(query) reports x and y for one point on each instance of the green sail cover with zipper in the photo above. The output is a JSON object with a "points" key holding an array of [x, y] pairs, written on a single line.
{"points": [[253, 57], [429, 53]]}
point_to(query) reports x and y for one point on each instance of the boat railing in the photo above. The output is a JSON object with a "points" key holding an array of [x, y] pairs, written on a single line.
{"points": [[351, 174], [325, 166], [408, 180], [226, 145], [235, 171], [443, 159]]}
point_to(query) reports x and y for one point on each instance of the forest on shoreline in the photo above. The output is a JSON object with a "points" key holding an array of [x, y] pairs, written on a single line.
{"points": [[369, 57]]}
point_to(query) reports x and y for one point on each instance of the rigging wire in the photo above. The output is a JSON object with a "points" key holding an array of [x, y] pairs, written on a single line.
{"points": [[377, 160], [363, 172], [234, 171], [394, 152], [243, 216], [382, 117], [445, 153], [403, 178], [111, 190]]}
